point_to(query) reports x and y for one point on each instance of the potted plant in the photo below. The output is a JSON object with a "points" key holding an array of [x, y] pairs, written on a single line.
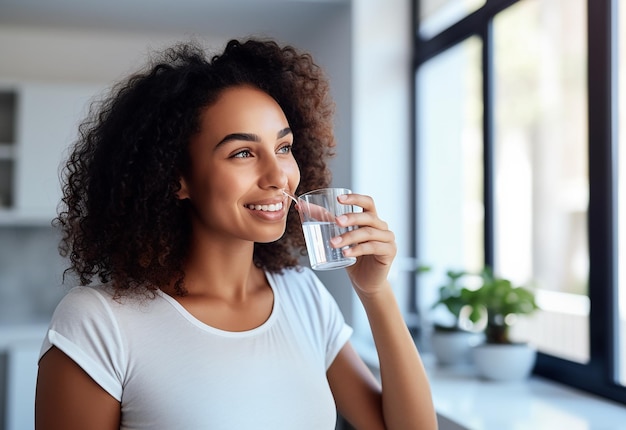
{"points": [[499, 302], [452, 342]]}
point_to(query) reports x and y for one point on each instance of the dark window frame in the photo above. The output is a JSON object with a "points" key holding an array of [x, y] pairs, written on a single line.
{"points": [[598, 375]]}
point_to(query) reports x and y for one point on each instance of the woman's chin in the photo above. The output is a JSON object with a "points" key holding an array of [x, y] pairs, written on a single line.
{"points": [[269, 238]]}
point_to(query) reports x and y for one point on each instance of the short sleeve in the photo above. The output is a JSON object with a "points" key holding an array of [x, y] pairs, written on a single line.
{"points": [[84, 328]]}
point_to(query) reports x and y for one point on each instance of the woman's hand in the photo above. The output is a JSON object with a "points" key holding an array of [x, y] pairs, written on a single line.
{"points": [[372, 243]]}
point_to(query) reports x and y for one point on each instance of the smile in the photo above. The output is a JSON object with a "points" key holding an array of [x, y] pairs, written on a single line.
{"points": [[266, 208]]}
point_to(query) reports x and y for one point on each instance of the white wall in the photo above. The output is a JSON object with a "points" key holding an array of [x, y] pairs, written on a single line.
{"points": [[381, 123], [49, 54]]}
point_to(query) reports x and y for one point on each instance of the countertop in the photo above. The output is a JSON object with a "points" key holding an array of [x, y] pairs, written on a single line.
{"points": [[467, 402]]}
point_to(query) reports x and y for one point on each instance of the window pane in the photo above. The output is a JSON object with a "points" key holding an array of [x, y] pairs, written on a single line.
{"points": [[621, 193], [450, 161], [541, 176], [436, 15]]}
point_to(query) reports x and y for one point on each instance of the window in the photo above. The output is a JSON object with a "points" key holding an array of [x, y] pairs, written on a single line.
{"points": [[436, 15], [449, 161], [515, 143], [541, 181]]}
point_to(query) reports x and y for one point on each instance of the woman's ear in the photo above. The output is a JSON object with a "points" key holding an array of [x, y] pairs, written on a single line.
{"points": [[183, 192]]}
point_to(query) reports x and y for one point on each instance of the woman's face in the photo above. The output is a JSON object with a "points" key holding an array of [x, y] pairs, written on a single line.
{"points": [[240, 161]]}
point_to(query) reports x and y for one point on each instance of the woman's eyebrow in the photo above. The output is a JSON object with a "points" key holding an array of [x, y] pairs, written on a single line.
{"points": [[250, 137], [284, 132]]}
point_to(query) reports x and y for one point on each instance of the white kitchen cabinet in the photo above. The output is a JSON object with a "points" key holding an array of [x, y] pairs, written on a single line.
{"points": [[46, 124]]}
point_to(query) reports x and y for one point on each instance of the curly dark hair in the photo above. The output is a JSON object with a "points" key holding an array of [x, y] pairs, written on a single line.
{"points": [[120, 217]]}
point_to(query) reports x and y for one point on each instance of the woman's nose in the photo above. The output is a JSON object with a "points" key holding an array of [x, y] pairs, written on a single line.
{"points": [[274, 174]]}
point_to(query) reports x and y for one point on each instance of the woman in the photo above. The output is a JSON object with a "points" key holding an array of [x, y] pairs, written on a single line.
{"points": [[201, 317]]}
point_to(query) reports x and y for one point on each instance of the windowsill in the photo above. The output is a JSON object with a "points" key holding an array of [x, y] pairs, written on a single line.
{"points": [[471, 403]]}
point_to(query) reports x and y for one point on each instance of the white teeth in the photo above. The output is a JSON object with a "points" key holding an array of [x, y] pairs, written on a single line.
{"points": [[267, 208]]}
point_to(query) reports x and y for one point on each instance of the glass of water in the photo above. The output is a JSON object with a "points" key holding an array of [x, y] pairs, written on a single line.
{"points": [[318, 210]]}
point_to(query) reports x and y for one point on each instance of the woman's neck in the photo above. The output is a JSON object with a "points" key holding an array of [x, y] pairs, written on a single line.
{"points": [[222, 269]]}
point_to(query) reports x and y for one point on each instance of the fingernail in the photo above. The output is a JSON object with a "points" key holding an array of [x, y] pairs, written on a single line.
{"points": [[342, 219], [336, 240], [343, 197]]}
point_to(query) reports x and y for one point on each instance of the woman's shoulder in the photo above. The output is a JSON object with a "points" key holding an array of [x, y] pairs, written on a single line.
{"points": [[86, 295], [95, 300], [88, 311]]}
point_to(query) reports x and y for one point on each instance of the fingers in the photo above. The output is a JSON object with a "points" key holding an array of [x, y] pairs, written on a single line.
{"points": [[372, 237], [363, 235], [368, 217], [365, 202], [366, 241]]}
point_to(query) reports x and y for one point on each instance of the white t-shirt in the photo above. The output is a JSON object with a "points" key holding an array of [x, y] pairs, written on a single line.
{"points": [[171, 371]]}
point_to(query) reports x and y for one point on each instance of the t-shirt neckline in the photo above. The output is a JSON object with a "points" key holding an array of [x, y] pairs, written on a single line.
{"points": [[226, 333]]}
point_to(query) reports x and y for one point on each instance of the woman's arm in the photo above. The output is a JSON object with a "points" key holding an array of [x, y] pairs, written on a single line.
{"points": [[68, 399], [406, 397], [356, 391], [405, 400]]}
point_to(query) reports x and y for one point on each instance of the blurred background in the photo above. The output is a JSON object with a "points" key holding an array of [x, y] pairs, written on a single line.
{"points": [[486, 130]]}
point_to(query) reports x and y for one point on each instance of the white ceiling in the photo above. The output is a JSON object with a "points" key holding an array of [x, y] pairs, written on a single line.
{"points": [[222, 18]]}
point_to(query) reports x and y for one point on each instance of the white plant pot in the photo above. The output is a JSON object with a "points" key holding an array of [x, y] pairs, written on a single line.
{"points": [[498, 362], [454, 347]]}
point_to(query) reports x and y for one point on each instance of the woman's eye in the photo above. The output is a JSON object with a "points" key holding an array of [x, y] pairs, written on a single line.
{"points": [[284, 149], [242, 154]]}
